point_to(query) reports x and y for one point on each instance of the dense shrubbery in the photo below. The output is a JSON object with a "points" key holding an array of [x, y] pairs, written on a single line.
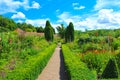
{"points": [[16, 50], [12, 42], [26, 27], [76, 69], [32, 67], [7, 24], [96, 61], [116, 43], [95, 49]]}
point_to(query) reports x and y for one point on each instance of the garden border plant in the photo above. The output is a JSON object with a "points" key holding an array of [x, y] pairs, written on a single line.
{"points": [[33, 67]]}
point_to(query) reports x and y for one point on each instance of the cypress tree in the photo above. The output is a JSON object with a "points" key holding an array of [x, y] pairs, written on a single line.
{"points": [[69, 33], [49, 34], [66, 34]]}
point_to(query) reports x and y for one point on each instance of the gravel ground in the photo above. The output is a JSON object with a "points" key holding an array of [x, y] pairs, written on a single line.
{"points": [[55, 68]]}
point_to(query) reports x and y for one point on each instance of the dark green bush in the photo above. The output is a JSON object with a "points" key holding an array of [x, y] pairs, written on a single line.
{"points": [[111, 70]]}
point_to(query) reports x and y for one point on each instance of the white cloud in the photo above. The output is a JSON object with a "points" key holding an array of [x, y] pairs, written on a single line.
{"points": [[75, 4], [20, 21], [9, 6], [80, 7], [18, 15], [55, 26], [37, 22], [108, 16], [12, 5], [103, 19], [67, 17], [101, 4], [35, 5]]}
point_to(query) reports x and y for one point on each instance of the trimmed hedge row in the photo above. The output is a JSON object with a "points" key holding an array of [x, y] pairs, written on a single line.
{"points": [[76, 69], [33, 67]]}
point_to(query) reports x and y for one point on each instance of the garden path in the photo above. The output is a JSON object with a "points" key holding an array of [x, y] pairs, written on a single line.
{"points": [[55, 68]]}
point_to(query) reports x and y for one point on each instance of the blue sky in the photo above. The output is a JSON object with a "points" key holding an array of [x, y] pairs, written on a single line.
{"points": [[85, 14]]}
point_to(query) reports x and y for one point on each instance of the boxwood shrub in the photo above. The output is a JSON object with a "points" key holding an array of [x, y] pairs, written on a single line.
{"points": [[76, 69]]}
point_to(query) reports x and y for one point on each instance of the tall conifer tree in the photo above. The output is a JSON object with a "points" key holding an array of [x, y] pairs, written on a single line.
{"points": [[69, 33], [49, 33]]}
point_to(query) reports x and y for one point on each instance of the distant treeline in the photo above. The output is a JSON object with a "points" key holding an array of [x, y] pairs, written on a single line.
{"points": [[7, 24]]}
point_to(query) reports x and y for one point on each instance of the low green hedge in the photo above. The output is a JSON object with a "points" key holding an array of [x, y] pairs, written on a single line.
{"points": [[76, 69], [33, 67]]}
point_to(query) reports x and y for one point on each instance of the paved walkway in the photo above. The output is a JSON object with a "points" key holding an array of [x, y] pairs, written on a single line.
{"points": [[55, 68]]}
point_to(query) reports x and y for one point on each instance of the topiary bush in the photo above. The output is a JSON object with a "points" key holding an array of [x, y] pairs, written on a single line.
{"points": [[111, 70]]}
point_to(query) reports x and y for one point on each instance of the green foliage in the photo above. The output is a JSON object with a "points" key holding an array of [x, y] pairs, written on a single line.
{"points": [[61, 31], [117, 58], [116, 43], [76, 69], [111, 70], [69, 33], [96, 61], [17, 48], [28, 30], [26, 27], [7, 24], [2, 29], [74, 47], [117, 33], [49, 33], [32, 67], [39, 29]]}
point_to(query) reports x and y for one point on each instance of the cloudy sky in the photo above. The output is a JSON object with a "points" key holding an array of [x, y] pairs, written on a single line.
{"points": [[85, 14]]}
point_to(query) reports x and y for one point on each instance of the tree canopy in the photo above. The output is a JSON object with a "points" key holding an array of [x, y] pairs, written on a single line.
{"points": [[7, 24]]}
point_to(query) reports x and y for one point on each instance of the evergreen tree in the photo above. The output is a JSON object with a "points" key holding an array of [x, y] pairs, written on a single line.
{"points": [[49, 33], [66, 34], [69, 33]]}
